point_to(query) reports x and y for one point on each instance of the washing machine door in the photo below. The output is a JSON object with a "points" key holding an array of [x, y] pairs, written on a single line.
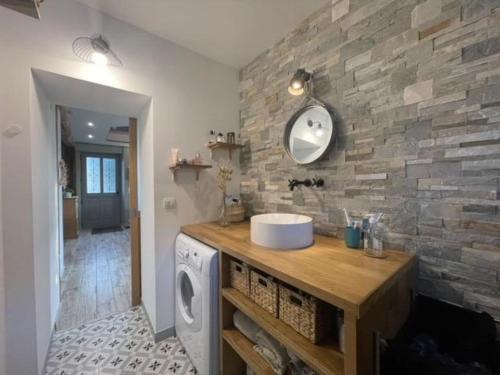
{"points": [[189, 297]]}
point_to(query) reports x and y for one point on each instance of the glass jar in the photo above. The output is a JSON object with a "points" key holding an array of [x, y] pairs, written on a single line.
{"points": [[375, 236]]}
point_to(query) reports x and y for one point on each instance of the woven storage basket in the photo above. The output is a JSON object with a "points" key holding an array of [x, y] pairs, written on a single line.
{"points": [[305, 314], [264, 292], [240, 277]]}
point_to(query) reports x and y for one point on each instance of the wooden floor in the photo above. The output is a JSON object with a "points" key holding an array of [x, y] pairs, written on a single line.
{"points": [[96, 280]]}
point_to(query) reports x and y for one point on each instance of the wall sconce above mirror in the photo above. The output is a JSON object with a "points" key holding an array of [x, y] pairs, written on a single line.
{"points": [[300, 83]]}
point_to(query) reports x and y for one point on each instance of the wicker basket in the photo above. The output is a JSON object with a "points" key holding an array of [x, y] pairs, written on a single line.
{"points": [[264, 292], [235, 214], [307, 315], [240, 277]]}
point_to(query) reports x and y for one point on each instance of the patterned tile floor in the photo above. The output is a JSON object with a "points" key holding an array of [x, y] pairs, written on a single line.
{"points": [[119, 344]]}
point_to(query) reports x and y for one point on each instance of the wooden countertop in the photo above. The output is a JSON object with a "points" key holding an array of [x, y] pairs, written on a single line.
{"points": [[327, 270]]}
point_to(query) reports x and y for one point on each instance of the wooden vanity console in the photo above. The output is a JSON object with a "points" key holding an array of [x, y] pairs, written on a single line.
{"points": [[375, 295]]}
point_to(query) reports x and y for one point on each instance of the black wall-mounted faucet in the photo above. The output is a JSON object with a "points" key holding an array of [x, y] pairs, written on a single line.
{"points": [[293, 183]]}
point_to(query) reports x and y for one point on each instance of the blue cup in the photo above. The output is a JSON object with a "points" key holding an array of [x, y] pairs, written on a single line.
{"points": [[352, 237]]}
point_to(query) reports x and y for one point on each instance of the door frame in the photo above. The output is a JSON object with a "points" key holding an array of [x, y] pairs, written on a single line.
{"points": [[135, 216]]}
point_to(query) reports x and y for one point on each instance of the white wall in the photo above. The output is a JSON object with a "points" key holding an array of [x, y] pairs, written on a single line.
{"points": [[45, 193], [191, 94], [3, 370], [17, 224], [147, 207]]}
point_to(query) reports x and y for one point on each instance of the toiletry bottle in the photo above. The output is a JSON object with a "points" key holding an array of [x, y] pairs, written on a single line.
{"points": [[174, 155], [212, 138], [365, 231], [378, 236]]}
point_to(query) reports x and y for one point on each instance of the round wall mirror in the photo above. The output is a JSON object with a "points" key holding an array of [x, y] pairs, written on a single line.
{"points": [[309, 134]]}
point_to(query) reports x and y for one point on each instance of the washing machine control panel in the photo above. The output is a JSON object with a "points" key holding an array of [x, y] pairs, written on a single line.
{"points": [[183, 253], [191, 257], [196, 261]]}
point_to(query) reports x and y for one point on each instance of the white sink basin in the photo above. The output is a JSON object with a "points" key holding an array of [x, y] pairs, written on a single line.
{"points": [[282, 231]]}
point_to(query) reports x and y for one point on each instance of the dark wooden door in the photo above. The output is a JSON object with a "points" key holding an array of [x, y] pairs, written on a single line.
{"points": [[101, 190]]}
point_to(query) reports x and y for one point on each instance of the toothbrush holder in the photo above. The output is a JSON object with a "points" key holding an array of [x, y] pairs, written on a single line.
{"points": [[352, 237]]}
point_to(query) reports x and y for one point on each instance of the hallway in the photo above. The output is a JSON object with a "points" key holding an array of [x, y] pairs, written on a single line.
{"points": [[96, 280]]}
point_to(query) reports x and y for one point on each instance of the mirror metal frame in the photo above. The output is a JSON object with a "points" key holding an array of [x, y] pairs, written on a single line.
{"points": [[291, 123]]}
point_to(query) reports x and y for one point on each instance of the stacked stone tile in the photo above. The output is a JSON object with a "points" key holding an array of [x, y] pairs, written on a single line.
{"points": [[416, 88]]}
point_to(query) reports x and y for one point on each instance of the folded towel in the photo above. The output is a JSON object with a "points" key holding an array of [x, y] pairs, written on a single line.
{"points": [[297, 367], [273, 352], [246, 326]]}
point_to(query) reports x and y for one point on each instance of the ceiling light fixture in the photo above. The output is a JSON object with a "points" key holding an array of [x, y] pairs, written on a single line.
{"points": [[301, 83], [91, 124], [97, 50], [90, 136]]}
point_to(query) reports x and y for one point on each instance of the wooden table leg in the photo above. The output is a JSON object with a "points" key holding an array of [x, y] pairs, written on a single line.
{"points": [[386, 316]]}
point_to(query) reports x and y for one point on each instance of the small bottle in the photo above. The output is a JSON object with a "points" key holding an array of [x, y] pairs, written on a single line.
{"points": [[377, 239], [220, 137], [212, 138], [174, 155]]}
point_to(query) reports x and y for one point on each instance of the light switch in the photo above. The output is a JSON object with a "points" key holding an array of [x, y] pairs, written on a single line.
{"points": [[169, 203]]}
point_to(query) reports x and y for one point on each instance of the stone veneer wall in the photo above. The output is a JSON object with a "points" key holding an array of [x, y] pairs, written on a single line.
{"points": [[417, 87]]}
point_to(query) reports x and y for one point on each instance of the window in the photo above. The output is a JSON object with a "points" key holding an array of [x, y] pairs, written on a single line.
{"points": [[93, 175], [101, 175], [109, 175]]}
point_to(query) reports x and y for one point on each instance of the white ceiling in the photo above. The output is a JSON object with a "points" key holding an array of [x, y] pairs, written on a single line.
{"points": [[232, 32], [79, 119]]}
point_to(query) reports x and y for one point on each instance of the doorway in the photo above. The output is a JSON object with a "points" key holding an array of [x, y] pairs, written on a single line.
{"points": [[101, 243]]}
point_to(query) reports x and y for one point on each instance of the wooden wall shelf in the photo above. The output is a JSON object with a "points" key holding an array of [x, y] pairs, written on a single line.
{"points": [[225, 146], [196, 167]]}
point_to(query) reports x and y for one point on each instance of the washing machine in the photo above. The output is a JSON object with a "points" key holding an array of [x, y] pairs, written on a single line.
{"points": [[197, 302]]}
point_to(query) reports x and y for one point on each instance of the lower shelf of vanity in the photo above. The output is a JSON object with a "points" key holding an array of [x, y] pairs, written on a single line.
{"points": [[324, 358], [244, 348]]}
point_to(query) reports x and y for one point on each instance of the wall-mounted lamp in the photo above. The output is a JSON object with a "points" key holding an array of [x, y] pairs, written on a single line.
{"points": [[95, 49], [300, 83]]}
